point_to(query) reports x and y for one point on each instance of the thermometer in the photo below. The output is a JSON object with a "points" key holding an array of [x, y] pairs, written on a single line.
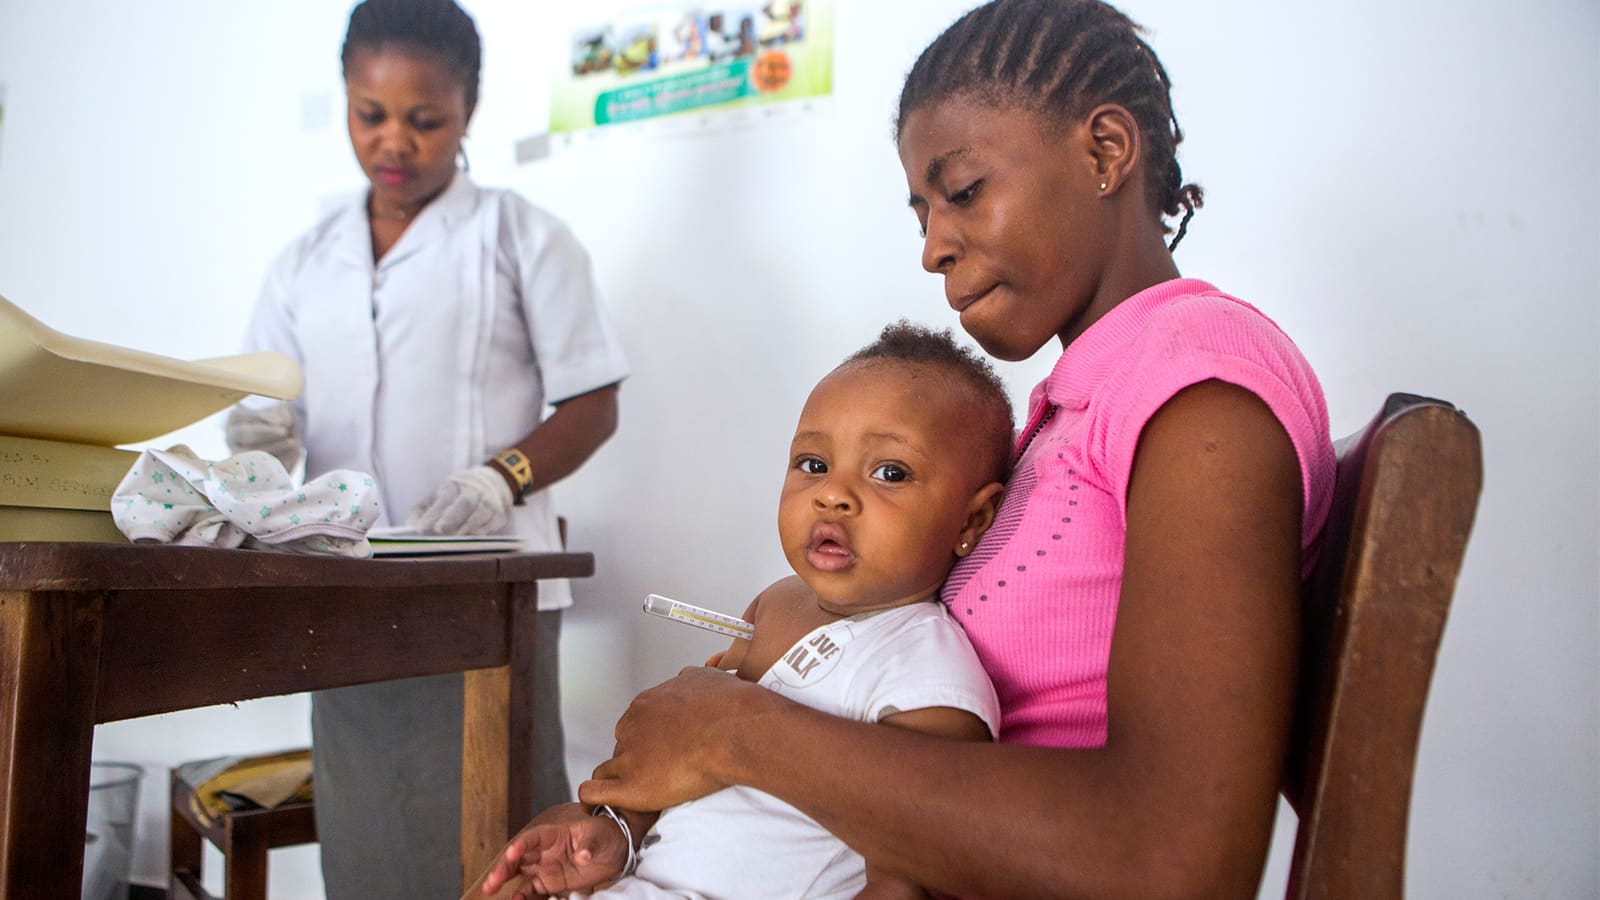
{"points": [[688, 614]]}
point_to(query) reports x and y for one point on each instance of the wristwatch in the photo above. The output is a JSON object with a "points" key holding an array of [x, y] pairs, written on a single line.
{"points": [[515, 463]]}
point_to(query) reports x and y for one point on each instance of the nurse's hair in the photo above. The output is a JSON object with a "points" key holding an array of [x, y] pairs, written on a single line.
{"points": [[988, 412], [1059, 59], [439, 28]]}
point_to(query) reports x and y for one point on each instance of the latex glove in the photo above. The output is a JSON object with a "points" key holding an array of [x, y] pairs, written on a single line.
{"points": [[270, 429], [472, 501]]}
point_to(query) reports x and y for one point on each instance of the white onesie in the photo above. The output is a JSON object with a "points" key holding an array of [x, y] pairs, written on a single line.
{"points": [[740, 842]]}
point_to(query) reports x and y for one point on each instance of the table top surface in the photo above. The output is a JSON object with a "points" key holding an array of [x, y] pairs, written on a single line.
{"points": [[70, 566]]}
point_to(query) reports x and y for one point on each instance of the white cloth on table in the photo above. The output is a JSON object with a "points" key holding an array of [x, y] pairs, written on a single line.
{"points": [[248, 500]]}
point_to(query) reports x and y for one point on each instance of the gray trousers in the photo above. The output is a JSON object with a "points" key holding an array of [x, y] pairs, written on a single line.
{"points": [[388, 778]]}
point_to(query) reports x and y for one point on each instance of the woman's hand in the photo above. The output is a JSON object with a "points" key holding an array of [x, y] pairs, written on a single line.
{"points": [[669, 739], [270, 429], [473, 501]]}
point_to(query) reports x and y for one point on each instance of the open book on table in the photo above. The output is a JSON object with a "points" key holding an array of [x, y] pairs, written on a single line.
{"points": [[401, 541]]}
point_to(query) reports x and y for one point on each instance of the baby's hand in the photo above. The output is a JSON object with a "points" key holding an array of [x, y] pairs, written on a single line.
{"points": [[565, 849]]}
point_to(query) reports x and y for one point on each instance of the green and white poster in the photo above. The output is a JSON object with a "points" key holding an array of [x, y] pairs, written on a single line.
{"points": [[692, 60]]}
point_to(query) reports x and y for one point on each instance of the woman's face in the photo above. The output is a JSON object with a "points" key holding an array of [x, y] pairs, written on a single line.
{"points": [[407, 116], [1011, 218]]}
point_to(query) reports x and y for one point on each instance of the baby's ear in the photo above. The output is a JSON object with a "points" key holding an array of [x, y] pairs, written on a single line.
{"points": [[981, 510]]}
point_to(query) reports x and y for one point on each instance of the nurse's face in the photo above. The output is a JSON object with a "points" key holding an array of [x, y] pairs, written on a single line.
{"points": [[407, 116]]}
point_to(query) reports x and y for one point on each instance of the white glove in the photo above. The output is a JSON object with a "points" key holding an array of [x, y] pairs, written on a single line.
{"points": [[472, 501], [270, 429]]}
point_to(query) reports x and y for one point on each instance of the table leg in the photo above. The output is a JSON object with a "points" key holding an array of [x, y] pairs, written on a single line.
{"points": [[49, 674], [497, 741]]}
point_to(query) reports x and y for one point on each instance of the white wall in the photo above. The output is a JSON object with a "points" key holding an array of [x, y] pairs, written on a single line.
{"points": [[1402, 186]]}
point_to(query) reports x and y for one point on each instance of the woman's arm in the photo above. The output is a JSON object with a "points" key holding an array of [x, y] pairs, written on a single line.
{"points": [[945, 722], [566, 440], [1180, 800]]}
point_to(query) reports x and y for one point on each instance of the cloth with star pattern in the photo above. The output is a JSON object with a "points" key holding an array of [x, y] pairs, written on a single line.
{"points": [[248, 500]]}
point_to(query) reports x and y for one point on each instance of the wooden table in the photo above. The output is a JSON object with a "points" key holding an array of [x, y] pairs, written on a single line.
{"points": [[93, 633]]}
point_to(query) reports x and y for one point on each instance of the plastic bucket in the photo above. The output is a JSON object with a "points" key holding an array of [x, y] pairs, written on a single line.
{"points": [[108, 838]]}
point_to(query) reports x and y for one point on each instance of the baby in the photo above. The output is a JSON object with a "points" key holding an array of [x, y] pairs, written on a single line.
{"points": [[896, 470]]}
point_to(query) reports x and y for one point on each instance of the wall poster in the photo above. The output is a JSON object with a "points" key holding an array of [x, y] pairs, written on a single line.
{"points": [[689, 63]]}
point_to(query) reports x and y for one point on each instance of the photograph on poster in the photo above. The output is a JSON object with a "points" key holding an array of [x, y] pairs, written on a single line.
{"points": [[691, 64]]}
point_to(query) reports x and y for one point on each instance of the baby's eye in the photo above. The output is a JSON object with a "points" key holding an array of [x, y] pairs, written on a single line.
{"points": [[427, 124], [965, 195], [892, 472], [368, 117], [811, 465]]}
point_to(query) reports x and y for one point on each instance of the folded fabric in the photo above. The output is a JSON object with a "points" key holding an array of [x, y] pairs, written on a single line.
{"points": [[242, 782], [247, 500]]}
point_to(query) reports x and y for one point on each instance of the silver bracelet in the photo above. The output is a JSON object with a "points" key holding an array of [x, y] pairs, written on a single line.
{"points": [[627, 835]]}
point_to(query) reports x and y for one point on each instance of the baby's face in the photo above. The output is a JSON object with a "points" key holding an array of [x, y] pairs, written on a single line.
{"points": [[881, 481]]}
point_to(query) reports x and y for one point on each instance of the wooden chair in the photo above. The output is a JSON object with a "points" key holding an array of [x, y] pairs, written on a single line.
{"points": [[1404, 500], [244, 836]]}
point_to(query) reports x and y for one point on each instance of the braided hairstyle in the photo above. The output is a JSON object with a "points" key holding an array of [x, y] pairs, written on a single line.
{"points": [[990, 409], [436, 27], [1061, 59]]}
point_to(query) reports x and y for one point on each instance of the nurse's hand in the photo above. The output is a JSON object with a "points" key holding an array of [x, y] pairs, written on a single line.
{"points": [[473, 501], [270, 429]]}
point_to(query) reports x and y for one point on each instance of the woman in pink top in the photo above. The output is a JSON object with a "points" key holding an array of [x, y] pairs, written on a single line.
{"points": [[1136, 601]]}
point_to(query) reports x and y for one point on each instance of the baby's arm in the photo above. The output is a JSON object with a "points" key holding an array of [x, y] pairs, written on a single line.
{"points": [[883, 886], [943, 721], [564, 848]]}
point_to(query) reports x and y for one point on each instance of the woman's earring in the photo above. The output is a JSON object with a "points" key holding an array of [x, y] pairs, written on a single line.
{"points": [[1102, 185], [964, 545]]}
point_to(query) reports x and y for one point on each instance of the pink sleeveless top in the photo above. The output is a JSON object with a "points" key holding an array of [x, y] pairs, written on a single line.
{"points": [[1039, 596]]}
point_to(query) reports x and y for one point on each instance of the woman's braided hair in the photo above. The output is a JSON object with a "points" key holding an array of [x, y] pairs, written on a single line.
{"points": [[437, 27], [1061, 59]]}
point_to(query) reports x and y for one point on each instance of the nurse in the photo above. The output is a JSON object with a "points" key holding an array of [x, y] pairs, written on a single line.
{"points": [[436, 322]]}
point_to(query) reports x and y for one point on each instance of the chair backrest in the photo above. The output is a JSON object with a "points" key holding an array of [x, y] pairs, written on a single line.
{"points": [[1404, 500]]}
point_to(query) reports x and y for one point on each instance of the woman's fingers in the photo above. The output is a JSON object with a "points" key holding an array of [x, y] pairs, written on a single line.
{"points": [[668, 740]]}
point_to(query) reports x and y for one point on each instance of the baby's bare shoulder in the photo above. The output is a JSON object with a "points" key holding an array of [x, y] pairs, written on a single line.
{"points": [[784, 597]]}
